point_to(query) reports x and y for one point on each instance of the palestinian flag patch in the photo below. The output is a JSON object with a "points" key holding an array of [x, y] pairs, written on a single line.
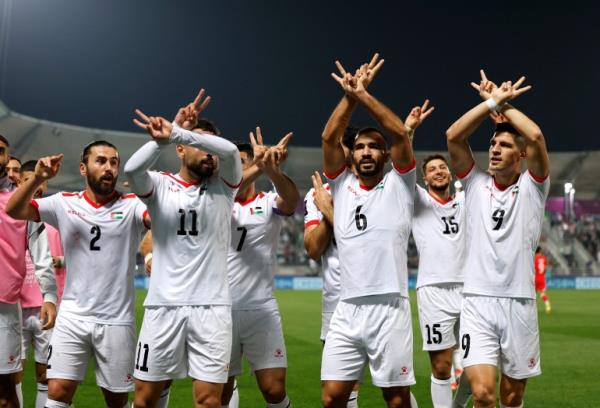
{"points": [[116, 215]]}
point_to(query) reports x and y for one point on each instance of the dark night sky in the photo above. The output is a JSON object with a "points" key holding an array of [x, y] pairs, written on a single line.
{"points": [[91, 62]]}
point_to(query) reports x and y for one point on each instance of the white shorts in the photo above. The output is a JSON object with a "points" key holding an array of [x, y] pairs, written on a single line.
{"points": [[439, 313], [74, 342], [501, 330], [258, 335], [181, 341], [376, 329], [10, 338], [325, 322], [33, 334]]}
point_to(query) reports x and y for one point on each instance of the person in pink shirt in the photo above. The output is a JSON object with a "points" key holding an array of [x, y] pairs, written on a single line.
{"points": [[31, 300], [13, 245]]}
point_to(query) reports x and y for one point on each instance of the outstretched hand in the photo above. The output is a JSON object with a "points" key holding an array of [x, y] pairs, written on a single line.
{"points": [[47, 167], [323, 200], [187, 117], [268, 156], [418, 114], [509, 91], [485, 86], [157, 127], [365, 74]]}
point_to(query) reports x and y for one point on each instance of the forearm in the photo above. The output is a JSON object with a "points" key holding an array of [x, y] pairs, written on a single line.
{"points": [[19, 205], [286, 190], [317, 239], [249, 176], [136, 168], [333, 153], [385, 117], [464, 127], [230, 167], [39, 250], [522, 123], [146, 244]]}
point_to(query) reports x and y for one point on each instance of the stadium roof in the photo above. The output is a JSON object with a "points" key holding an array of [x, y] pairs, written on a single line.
{"points": [[32, 138]]}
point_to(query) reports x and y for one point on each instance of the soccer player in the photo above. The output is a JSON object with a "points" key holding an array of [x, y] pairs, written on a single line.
{"points": [[15, 238], [187, 322], [31, 297], [255, 228], [439, 232], [372, 219], [97, 309], [13, 170], [541, 263], [498, 322]]}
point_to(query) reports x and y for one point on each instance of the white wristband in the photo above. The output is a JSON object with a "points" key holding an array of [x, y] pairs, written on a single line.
{"points": [[493, 105], [148, 257]]}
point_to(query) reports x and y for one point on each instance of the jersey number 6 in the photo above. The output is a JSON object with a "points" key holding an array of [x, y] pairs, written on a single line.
{"points": [[360, 219]]}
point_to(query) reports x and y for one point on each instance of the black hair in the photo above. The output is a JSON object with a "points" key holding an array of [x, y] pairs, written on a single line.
{"points": [[4, 140], [429, 158], [208, 126], [349, 136], [506, 127], [88, 149], [14, 158], [28, 166], [245, 147], [369, 129]]}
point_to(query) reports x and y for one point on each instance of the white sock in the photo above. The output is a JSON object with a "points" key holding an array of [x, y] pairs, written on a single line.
{"points": [[19, 392], [353, 400], [413, 401], [441, 393], [463, 393], [163, 401], [286, 403], [56, 404], [234, 402], [42, 395], [516, 406]]}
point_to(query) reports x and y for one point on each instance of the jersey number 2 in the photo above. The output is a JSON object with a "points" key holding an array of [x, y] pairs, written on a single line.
{"points": [[95, 231]]}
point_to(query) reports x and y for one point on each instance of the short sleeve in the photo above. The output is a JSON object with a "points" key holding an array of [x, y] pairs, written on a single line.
{"points": [[157, 182], [140, 212], [48, 208], [538, 187], [335, 181], [312, 216], [472, 177], [407, 179], [272, 203]]}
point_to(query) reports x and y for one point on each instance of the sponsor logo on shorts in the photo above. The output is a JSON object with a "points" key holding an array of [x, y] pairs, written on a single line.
{"points": [[531, 362], [12, 360], [279, 353], [404, 370], [128, 379]]}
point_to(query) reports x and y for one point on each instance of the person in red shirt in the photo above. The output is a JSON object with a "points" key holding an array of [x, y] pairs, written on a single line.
{"points": [[541, 264]]}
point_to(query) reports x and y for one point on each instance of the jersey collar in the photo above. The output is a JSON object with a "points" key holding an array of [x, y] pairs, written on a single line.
{"points": [[87, 198]]}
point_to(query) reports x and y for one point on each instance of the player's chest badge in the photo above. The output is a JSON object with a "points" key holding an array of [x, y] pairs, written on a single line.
{"points": [[257, 210]]}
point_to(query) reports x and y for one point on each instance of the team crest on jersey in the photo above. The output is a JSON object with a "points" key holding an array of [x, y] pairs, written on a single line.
{"points": [[256, 210], [455, 205], [515, 192], [203, 189], [116, 215], [380, 186]]}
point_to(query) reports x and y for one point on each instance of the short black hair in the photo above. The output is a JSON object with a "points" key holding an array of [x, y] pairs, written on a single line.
{"points": [[436, 156], [29, 165], [4, 140], [349, 136], [208, 126], [506, 127], [88, 149], [245, 147], [368, 129], [14, 158]]}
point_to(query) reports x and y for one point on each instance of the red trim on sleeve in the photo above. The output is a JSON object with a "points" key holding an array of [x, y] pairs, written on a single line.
{"points": [[411, 166], [232, 185], [537, 178], [128, 195], [311, 222], [36, 207], [333, 176], [144, 215], [466, 173], [146, 195]]}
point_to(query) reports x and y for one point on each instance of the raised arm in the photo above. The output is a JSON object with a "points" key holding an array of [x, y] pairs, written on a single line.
{"points": [[317, 236], [333, 154], [19, 205]]}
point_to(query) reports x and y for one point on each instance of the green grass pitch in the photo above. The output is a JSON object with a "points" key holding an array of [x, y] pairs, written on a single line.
{"points": [[570, 341]]}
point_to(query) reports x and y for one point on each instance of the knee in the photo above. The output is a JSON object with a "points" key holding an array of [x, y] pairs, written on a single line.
{"points": [[441, 369], [274, 392], [483, 395], [142, 401], [208, 401], [328, 400], [57, 391], [512, 398]]}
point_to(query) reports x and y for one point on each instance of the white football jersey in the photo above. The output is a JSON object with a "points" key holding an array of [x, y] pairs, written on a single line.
{"points": [[504, 226], [330, 262], [439, 231], [251, 261], [372, 227], [100, 242], [191, 233]]}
